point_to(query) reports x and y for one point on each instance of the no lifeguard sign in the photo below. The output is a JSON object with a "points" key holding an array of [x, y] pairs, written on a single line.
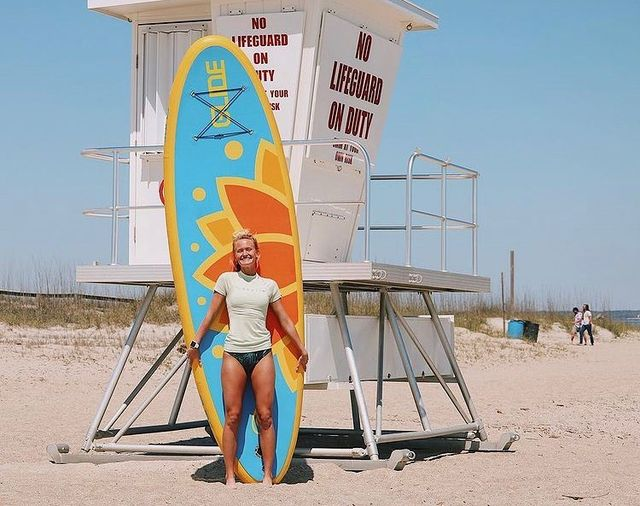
{"points": [[355, 76], [273, 43]]}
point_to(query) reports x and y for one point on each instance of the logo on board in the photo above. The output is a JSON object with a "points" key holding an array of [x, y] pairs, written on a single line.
{"points": [[218, 92]]}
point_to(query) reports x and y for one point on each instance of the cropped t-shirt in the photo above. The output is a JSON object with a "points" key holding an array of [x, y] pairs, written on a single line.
{"points": [[248, 299]]}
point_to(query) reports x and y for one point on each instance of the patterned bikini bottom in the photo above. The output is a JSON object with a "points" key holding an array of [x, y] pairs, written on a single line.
{"points": [[250, 360]]}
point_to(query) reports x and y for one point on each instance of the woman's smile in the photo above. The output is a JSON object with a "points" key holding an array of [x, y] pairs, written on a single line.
{"points": [[246, 254]]}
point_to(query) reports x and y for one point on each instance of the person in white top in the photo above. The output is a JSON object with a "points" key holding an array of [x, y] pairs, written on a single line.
{"points": [[587, 324], [247, 348]]}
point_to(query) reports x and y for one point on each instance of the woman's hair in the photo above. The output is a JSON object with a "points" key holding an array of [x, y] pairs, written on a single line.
{"points": [[244, 233], [238, 235], [586, 306], [576, 310]]}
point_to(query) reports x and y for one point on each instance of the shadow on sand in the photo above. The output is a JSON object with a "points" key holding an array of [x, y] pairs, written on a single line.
{"points": [[214, 473]]}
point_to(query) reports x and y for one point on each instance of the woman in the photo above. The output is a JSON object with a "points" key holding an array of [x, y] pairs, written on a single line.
{"points": [[587, 320], [247, 348]]}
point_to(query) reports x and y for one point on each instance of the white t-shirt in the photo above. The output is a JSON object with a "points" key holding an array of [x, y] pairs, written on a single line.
{"points": [[586, 318], [248, 299]]}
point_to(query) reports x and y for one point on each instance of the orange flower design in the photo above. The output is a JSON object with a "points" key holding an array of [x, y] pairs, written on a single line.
{"points": [[263, 205]]}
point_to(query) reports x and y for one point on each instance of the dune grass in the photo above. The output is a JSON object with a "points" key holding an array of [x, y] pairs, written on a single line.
{"points": [[43, 311], [471, 311]]}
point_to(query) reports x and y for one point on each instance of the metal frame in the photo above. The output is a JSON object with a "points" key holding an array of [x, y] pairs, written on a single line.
{"points": [[363, 276], [448, 171], [468, 436], [338, 279], [459, 173]]}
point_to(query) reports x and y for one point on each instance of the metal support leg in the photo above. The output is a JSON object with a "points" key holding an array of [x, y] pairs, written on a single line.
{"points": [[372, 447], [147, 401], [431, 364], [454, 363], [115, 376], [379, 378], [406, 363], [143, 381], [355, 413], [186, 373]]}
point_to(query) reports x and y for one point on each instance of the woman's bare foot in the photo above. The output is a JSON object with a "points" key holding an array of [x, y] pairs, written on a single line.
{"points": [[231, 482], [267, 480]]}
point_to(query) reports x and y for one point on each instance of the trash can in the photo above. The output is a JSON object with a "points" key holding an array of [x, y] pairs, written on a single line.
{"points": [[515, 329], [530, 332]]}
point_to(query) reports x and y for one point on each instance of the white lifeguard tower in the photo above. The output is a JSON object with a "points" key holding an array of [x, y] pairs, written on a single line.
{"points": [[328, 67]]}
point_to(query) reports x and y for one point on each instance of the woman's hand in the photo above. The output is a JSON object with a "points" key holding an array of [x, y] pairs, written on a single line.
{"points": [[302, 361], [217, 303], [290, 330], [194, 354]]}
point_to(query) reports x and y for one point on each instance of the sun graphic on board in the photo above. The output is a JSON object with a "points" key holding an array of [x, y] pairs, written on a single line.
{"points": [[261, 205]]}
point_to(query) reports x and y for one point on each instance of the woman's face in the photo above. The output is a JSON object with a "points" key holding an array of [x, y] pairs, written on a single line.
{"points": [[246, 255]]}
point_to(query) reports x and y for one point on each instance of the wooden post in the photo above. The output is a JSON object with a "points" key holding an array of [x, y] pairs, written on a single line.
{"points": [[504, 333], [512, 287]]}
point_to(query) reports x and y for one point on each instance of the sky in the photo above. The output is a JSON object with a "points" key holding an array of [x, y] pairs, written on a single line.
{"points": [[542, 97]]}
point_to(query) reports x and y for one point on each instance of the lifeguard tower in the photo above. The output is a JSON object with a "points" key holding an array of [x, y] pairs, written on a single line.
{"points": [[328, 67]]}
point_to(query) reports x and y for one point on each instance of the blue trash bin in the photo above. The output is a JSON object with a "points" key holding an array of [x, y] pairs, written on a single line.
{"points": [[515, 329]]}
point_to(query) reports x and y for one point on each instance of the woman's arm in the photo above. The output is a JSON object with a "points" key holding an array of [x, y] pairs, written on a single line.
{"points": [[214, 309], [290, 330]]}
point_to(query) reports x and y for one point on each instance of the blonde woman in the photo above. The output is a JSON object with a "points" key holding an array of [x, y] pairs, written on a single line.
{"points": [[247, 349]]}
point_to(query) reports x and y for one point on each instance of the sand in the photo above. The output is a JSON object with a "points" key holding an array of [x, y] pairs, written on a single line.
{"points": [[576, 409]]}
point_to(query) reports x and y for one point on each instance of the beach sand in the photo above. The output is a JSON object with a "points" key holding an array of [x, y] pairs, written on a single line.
{"points": [[576, 409]]}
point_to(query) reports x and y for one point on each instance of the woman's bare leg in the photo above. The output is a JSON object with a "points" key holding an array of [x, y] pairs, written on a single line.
{"points": [[263, 383], [234, 380]]}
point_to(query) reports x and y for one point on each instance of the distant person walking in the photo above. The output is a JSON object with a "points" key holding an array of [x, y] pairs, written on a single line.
{"points": [[586, 326], [577, 324]]}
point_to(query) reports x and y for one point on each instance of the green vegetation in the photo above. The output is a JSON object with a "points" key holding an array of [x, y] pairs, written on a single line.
{"points": [[471, 311], [77, 312], [618, 329]]}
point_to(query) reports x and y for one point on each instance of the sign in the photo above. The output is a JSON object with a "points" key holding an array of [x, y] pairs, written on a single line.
{"points": [[355, 76], [273, 44]]}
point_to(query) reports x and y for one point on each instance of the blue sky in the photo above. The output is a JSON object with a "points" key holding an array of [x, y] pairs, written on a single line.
{"points": [[543, 98]]}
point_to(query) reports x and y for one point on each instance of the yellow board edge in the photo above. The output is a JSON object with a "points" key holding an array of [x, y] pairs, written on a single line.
{"points": [[172, 229]]}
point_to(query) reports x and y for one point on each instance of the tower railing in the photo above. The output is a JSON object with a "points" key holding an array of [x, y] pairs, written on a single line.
{"points": [[448, 171]]}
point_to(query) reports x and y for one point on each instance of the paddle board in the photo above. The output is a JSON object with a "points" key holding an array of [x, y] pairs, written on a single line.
{"points": [[224, 170]]}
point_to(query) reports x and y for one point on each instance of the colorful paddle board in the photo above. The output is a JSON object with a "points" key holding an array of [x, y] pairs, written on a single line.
{"points": [[224, 170]]}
